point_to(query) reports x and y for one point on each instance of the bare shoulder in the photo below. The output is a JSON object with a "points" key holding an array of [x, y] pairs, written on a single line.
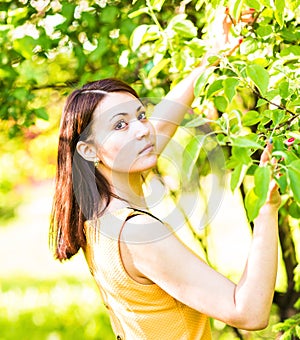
{"points": [[144, 228], [139, 238]]}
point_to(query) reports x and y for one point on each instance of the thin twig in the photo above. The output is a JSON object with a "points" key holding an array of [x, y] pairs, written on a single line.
{"points": [[274, 104]]}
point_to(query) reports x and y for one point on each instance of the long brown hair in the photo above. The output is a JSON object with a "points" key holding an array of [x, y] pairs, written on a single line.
{"points": [[81, 191]]}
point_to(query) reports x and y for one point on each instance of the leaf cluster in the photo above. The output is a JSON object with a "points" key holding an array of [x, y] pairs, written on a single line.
{"points": [[264, 69]]}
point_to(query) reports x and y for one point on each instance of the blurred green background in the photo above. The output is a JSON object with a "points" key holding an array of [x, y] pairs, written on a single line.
{"points": [[41, 298], [47, 49]]}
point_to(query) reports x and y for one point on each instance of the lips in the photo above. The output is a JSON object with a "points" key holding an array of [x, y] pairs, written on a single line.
{"points": [[148, 148]]}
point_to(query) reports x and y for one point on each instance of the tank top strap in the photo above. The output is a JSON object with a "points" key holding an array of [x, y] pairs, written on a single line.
{"points": [[136, 212]]}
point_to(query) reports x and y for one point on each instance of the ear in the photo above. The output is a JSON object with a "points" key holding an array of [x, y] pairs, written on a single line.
{"points": [[87, 151]]}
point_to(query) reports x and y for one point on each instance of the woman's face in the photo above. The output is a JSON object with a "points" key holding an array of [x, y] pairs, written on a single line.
{"points": [[124, 137]]}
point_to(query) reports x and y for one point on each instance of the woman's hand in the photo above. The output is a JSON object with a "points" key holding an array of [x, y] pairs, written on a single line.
{"points": [[219, 38], [273, 197]]}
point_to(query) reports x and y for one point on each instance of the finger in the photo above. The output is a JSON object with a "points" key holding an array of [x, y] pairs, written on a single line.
{"points": [[228, 18], [246, 16], [265, 156], [235, 45], [248, 11], [230, 51], [248, 19], [273, 194]]}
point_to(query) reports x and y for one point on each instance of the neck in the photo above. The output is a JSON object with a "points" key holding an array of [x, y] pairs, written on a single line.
{"points": [[127, 186]]}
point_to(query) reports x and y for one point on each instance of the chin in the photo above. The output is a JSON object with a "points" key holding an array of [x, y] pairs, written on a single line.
{"points": [[144, 164]]}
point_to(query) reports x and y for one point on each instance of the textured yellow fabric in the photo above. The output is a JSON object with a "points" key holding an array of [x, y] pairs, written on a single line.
{"points": [[137, 311]]}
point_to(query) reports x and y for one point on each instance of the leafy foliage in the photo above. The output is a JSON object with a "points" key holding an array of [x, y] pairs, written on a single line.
{"points": [[264, 67], [48, 47], [289, 327], [64, 309]]}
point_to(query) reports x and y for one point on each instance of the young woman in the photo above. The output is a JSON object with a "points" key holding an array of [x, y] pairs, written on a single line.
{"points": [[153, 286]]}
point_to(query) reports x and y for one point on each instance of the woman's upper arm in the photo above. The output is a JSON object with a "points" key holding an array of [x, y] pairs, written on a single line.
{"points": [[159, 256]]}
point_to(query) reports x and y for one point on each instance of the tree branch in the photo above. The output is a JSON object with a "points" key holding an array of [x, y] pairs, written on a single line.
{"points": [[277, 105]]}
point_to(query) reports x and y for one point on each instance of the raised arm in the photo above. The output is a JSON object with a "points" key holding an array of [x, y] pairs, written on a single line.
{"points": [[170, 112], [168, 263]]}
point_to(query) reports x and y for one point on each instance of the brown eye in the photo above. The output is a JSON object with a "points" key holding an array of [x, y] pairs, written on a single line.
{"points": [[142, 116], [120, 125]]}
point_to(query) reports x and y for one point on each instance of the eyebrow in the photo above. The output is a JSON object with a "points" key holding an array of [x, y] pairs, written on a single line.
{"points": [[123, 113]]}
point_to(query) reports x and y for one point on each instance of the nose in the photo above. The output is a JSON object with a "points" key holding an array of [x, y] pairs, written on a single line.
{"points": [[142, 129]]}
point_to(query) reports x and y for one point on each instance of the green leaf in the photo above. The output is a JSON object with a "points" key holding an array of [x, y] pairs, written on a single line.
{"points": [[259, 76], [185, 29], [261, 102], [262, 177], [16, 15], [158, 67], [298, 329], [221, 103], [138, 12], [294, 210], [248, 141], [215, 3], [213, 59], [237, 9], [221, 139], [157, 4], [284, 89], [142, 34], [230, 85], [279, 12], [198, 121], [137, 36], [191, 154], [278, 116], [109, 14], [266, 3], [252, 204], [199, 4], [25, 46], [214, 87], [20, 93], [291, 51], [251, 118], [288, 34], [196, 46], [295, 102], [237, 176], [293, 171], [67, 11], [288, 156], [202, 81], [293, 4], [264, 31], [41, 113], [248, 46], [282, 182], [272, 94], [175, 19], [242, 155], [253, 4]]}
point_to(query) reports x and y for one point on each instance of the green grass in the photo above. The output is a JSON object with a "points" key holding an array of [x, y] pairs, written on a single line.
{"points": [[51, 310]]}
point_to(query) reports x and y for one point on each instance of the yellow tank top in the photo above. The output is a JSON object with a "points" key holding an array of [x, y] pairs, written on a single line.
{"points": [[137, 311]]}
